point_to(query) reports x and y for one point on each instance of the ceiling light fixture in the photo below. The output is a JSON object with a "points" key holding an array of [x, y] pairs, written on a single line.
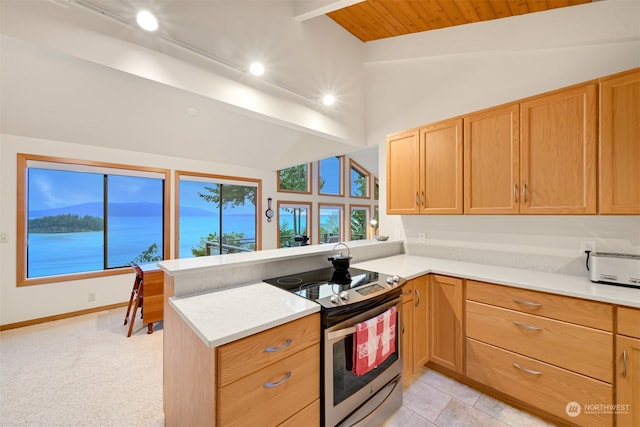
{"points": [[328, 99], [146, 20], [256, 68]]}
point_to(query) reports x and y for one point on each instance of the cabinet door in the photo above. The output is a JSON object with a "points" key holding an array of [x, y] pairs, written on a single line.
{"points": [[492, 161], [620, 145], [441, 168], [558, 152], [407, 339], [628, 381], [420, 322], [403, 173], [445, 323]]}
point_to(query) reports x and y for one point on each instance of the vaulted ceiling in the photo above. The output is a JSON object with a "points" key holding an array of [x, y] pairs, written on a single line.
{"points": [[378, 19]]}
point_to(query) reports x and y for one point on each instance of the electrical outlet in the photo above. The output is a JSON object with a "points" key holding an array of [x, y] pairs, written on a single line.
{"points": [[91, 297], [422, 238], [4, 237], [587, 245]]}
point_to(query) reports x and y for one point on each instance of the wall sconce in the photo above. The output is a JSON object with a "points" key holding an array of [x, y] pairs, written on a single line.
{"points": [[374, 227]]}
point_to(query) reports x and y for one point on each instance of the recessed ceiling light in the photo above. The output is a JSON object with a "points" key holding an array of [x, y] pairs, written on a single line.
{"points": [[146, 20], [256, 68], [328, 99]]}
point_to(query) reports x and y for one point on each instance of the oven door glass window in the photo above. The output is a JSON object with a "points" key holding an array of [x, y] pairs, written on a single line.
{"points": [[345, 382]]}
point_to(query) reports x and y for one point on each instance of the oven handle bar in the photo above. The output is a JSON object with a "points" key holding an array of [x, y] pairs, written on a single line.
{"points": [[341, 333]]}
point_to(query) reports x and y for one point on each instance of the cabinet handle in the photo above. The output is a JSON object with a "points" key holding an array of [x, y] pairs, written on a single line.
{"points": [[418, 295], [402, 326], [528, 371], [282, 381], [524, 193], [529, 327], [282, 347], [423, 200], [407, 292], [417, 199], [515, 193], [529, 303], [624, 364]]}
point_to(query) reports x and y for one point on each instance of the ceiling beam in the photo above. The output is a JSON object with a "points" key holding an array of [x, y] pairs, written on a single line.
{"points": [[303, 10]]}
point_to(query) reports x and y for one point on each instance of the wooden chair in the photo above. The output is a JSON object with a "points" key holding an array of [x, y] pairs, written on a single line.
{"points": [[136, 299]]}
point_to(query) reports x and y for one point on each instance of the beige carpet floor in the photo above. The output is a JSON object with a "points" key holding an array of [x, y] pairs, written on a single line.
{"points": [[81, 371]]}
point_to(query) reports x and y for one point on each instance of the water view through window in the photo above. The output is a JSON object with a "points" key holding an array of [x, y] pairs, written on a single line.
{"points": [[83, 221]]}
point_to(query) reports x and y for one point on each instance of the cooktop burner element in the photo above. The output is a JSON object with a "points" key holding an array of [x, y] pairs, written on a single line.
{"points": [[332, 288]]}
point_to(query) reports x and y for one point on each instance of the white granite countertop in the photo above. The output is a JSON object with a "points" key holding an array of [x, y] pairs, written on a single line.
{"points": [[411, 266], [226, 315]]}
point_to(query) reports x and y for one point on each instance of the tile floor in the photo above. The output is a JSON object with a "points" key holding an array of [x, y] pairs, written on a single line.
{"points": [[432, 399]]}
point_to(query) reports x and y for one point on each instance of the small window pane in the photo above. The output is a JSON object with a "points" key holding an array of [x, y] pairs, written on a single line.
{"points": [[294, 179], [359, 181], [330, 176], [293, 224], [359, 223], [330, 224]]}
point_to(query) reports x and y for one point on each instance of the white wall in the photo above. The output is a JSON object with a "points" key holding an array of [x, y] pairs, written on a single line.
{"points": [[423, 78]]}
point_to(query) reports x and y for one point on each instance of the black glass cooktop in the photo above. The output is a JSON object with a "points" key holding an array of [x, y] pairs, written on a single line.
{"points": [[325, 282]]}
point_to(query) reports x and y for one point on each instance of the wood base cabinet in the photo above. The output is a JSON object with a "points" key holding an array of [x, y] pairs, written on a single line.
{"points": [[446, 333], [407, 330], [628, 368], [420, 322]]}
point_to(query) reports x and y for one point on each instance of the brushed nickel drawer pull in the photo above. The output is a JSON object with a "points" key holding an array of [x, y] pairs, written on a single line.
{"points": [[524, 193], [528, 371], [406, 293], [282, 347], [417, 199], [624, 364], [282, 381], [423, 200], [529, 327], [529, 303], [515, 193], [418, 295]]}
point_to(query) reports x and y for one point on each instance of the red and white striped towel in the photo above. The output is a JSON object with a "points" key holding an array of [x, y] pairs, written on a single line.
{"points": [[374, 340]]}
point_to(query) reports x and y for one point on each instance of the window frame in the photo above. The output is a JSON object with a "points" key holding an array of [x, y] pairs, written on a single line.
{"points": [[367, 233], [309, 175], [294, 203], [340, 206], [376, 188], [176, 216], [342, 162], [22, 218], [353, 165]]}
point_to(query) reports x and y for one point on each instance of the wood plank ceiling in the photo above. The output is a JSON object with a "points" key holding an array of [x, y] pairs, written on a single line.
{"points": [[378, 19]]}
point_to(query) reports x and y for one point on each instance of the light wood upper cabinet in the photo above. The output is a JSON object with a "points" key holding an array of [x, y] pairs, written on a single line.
{"points": [[492, 161], [558, 152], [424, 170], [619, 190], [441, 168], [403, 173]]}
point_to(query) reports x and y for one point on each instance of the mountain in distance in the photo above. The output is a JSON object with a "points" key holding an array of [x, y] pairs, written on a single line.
{"points": [[116, 209]]}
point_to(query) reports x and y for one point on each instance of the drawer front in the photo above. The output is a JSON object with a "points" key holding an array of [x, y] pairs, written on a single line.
{"points": [[249, 402], [308, 417], [574, 310], [242, 357], [546, 387], [576, 348], [629, 322]]}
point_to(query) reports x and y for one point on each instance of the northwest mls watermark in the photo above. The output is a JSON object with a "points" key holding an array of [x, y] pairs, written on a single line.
{"points": [[573, 409]]}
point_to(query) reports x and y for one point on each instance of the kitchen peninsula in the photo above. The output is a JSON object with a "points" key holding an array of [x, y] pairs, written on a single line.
{"points": [[221, 312]]}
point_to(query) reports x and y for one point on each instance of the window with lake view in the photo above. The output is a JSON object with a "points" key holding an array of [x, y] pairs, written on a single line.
{"points": [[216, 215], [81, 218]]}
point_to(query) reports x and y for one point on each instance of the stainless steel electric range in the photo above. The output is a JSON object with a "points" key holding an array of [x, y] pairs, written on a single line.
{"points": [[348, 298]]}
